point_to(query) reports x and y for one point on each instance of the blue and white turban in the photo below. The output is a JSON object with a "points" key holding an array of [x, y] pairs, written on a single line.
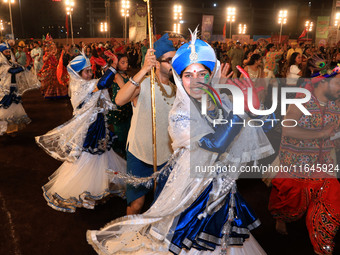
{"points": [[4, 46], [194, 52], [79, 63]]}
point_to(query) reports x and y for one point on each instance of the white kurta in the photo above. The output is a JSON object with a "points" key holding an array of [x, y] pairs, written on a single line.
{"points": [[37, 55], [140, 134]]}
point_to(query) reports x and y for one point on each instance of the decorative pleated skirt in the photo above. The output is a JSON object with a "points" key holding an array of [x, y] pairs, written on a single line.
{"points": [[84, 182], [205, 233]]}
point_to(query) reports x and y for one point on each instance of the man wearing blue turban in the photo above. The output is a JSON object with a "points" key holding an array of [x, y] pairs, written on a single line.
{"points": [[139, 142], [5, 49]]}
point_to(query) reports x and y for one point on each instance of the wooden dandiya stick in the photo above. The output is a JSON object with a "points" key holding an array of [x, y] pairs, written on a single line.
{"points": [[153, 102]]}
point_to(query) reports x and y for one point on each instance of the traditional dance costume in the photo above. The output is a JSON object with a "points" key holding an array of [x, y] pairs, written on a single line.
{"points": [[15, 80], [84, 143], [50, 86], [303, 190], [121, 120], [196, 213]]}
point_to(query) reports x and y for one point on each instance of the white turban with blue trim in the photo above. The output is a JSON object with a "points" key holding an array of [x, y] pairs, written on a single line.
{"points": [[79, 63], [194, 52]]}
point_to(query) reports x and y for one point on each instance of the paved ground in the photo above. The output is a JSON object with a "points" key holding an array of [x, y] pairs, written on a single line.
{"points": [[29, 226]]}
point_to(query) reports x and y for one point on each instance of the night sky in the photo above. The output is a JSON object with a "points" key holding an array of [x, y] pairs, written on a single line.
{"points": [[260, 15]]}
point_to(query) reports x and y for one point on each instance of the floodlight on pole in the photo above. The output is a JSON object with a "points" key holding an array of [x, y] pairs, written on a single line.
{"points": [[2, 28], [337, 19], [337, 23], [282, 19], [178, 15], [242, 28], [309, 27], [103, 28], [125, 7], [69, 10], [231, 16]]}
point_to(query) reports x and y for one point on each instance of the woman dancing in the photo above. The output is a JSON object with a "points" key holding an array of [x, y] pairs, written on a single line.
{"points": [[197, 211], [83, 143]]}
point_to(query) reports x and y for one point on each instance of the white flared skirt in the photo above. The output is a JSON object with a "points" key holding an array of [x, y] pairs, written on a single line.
{"points": [[13, 119], [15, 113], [83, 182], [249, 247]]}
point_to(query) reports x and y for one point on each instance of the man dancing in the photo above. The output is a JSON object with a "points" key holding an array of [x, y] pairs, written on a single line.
{"points": [[139, 142]]}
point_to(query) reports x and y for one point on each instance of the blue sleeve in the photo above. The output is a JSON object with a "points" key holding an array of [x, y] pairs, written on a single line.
{"points": [[15, 70], [223, 136], [107, 79]]}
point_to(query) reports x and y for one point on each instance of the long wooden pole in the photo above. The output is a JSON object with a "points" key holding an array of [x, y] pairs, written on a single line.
{"points": [[71, 28], [153, 102], [10, 15]]}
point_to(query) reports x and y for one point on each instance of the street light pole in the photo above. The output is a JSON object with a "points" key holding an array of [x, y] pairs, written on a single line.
{"points": [[178, 18], [22, 21], [309, 27], [282, 20], [337, 19], [1, 27], [107, 18], [231, 13], [125, 13], [10, 14], [71, 29], [125, 32], [69, 10], [67, 33]]}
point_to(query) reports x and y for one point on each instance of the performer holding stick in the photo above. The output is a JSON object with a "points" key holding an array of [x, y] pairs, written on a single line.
{"points": [[143, 157]]}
